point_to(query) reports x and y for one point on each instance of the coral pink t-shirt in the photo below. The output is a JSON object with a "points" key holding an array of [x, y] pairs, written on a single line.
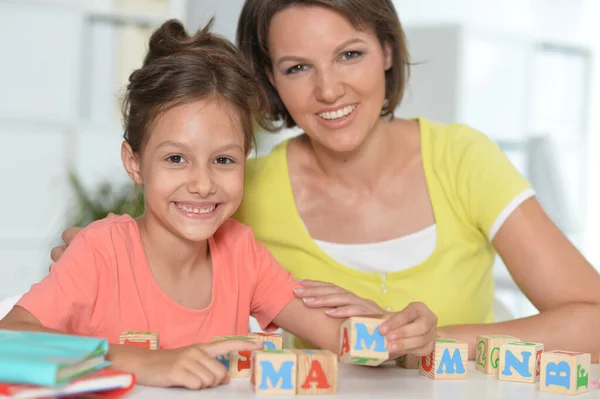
{"points": [[102, 285]]}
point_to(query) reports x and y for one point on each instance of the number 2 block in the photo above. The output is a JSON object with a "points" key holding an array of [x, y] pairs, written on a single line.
{"points": [[361, 342], [488, 352], [565, 372], [520, 361]]}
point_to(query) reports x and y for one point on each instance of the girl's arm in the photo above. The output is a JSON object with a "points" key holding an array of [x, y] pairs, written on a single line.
{"points": [[556, 278]]}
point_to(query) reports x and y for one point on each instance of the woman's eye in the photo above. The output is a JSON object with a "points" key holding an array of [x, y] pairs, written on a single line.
{"points": [[176, 159], [296, 69], [223, 160], [348, 55]]}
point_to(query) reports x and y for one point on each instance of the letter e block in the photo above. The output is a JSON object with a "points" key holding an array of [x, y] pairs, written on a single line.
{"points": [[272, 341], [520, 361], [274, 372], [361, 343], [317, 372], [488, 352], [565, 372], [448, 361], [236, 363], [408, 361]]}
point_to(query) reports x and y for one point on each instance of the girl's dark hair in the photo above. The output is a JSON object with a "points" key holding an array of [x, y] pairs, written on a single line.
{"points": [[180, 69], [378, 15]]}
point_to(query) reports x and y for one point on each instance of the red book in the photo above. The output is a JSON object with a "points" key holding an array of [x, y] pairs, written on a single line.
{"points": [[105, 383]]}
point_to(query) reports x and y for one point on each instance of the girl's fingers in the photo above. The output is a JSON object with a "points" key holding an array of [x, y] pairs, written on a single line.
{"points": [[203, 373]]}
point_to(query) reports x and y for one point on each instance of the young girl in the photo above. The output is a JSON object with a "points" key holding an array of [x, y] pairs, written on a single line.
{"points": [[183, 269]]}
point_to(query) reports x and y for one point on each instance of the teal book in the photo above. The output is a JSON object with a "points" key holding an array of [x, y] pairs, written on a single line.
{"points": [[37, 358]]}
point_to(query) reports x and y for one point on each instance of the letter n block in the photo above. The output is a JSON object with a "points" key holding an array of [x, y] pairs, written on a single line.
{"points": [[447, 361], [317, 372], [565, 372], [274, 372], [520, 361], [408, 361], [488, 352], [236, 363], [272, 341], [361, 343]]}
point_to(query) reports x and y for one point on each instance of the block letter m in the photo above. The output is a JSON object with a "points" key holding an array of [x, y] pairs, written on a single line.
{"points": [[375, 339], [284, 374], [454, 363]]}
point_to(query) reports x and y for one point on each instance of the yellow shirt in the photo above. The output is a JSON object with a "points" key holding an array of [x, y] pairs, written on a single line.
{"points": [[470, 182]]}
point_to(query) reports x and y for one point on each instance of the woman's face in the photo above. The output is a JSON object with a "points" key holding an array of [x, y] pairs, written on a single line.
{"points": [[330, 76]]}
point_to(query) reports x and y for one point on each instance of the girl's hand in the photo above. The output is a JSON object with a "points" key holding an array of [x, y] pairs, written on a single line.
{"points": [[410, 331], [192, 367], [341, 303]]}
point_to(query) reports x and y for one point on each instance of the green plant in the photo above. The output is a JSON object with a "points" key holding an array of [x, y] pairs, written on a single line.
{"points": [[106, 198]]}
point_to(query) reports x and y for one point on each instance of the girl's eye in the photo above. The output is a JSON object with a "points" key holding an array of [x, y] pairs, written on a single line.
{"points": [[296, 69], [176, 159], [348, 55], [223, 160]]}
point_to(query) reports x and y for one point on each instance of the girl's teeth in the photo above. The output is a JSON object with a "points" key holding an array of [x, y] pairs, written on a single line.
{"points": [[196, 210], [340, 113]]}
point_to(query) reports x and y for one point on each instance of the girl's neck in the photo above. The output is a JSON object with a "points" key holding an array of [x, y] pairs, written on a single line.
{"points": [[361, 167], [170, 253]]}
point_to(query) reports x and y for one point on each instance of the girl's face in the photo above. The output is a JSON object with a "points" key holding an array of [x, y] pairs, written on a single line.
{"points": [[330, 76], [192, 168]]}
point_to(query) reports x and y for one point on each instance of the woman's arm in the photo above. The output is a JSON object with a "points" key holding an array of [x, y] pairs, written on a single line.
{"points": [[556, 278]]}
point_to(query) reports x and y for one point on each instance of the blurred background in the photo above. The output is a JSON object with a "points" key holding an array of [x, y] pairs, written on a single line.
{"points": [[525, 72]]}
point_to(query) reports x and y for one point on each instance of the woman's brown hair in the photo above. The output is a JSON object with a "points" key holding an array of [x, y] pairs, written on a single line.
{"points": [[378, 15], [180, 69]]}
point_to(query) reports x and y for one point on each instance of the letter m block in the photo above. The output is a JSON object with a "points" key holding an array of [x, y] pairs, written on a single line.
{"points": [[361, 342], [274, 372], [448, 361], [565, 372]]}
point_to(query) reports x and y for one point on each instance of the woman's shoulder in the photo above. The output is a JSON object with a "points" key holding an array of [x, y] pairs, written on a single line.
{"points": [[452, 134]]}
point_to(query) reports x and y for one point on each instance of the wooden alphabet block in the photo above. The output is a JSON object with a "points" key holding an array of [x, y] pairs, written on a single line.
{"points": [[565, 372], [361, 343], [317, 372], [408, 361], [274, 372], [520, 361], [488, 352], [236, 363], [272, 341], [142, 339], [448, 361]]}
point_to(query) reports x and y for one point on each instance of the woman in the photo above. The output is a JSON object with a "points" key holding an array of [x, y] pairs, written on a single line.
{"points": [[406, 213]]}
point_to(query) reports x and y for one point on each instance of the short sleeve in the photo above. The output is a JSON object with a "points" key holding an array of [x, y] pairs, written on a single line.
{"points": [[489, 185], [274, 288], [66, 299]]}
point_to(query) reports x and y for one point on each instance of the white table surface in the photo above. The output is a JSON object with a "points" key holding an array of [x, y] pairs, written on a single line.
{"points": [[387, 381]]}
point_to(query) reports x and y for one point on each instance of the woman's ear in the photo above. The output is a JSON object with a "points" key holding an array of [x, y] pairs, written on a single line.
{"points": [[387, 56], [269, 74], [131, 162]]}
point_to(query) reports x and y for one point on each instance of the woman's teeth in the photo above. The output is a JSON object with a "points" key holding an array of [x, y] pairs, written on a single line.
{"points": [[340, 113], [196, 210]]}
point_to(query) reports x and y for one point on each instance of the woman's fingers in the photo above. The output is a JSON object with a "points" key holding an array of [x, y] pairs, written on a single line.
{"points": [[421, 344], [318, 291]]}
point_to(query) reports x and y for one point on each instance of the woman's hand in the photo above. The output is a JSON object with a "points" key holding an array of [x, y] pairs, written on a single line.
{"points": [[192, 367], [413, 330], [340, 303], [67, 237]]}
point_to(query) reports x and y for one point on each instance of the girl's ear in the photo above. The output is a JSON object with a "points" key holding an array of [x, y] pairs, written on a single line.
{"points": [[131, 162]]}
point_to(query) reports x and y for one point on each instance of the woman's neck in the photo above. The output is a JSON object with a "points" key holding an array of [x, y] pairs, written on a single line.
{"points": [[171, 254], [361, 167]]}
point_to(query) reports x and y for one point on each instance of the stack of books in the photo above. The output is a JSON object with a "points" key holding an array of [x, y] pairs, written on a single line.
{"points": [[34, 365]]}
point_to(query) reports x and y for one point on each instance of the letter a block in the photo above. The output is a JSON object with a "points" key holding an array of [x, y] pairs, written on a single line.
{"points": [[520, 361], [236, 363], [565, 372], [448, 361], [271, 341], [488, 352], [274, 372], [408, 361], [317, 372], [361, 343]]}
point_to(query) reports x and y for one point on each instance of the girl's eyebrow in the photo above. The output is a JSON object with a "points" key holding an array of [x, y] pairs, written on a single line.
{"points": [[172, 143], [336, 50]]}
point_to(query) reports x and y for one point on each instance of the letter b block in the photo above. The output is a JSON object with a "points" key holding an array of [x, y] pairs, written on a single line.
{"points": [[565, 372], [488, 352], [361, 343], [274, 372], [448, 361], [317, 372], [520, 361]]}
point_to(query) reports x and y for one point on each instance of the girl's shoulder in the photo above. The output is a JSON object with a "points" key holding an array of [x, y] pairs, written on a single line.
{"points": [[113, 228]]}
